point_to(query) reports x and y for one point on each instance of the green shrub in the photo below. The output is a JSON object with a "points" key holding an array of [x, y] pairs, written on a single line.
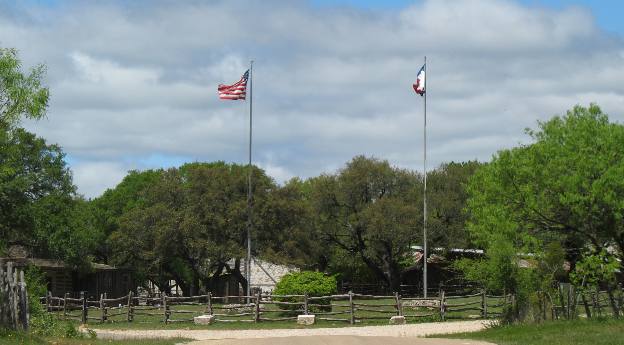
{"points": [[43, 323], [312, 283]]}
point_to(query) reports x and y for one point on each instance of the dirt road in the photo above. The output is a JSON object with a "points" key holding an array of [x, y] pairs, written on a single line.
{"points": [[393, 331], [340, 340]]}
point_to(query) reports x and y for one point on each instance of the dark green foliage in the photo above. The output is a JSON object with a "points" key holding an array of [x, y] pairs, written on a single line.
{"points": [[188, 223], [110, 206], [446, 190], [39, 209], [369, 211]]}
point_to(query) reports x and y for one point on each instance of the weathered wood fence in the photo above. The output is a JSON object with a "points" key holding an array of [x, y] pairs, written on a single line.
{"points": [[349, 308], [13, 298], [569, 302]]}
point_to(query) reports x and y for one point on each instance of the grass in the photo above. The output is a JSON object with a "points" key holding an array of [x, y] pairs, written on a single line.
{"points": [[576, 332], [20, 338]]}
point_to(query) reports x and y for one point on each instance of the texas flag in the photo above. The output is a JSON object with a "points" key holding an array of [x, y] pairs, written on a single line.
{"points": [[419, 86]]}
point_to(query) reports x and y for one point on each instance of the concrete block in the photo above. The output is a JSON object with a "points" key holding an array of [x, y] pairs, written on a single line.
{"points": [[305, 319], [204, 319], [397, 320]]}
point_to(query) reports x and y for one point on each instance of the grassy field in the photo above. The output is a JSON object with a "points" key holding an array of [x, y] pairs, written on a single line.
{"points": [[577, 332]]}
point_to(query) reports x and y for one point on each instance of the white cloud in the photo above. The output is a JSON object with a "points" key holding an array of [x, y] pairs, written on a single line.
{"points": [[134, 80], [95, 177]]}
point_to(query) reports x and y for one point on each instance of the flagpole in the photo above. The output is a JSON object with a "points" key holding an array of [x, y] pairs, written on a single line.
{"points": [[425, 186], [249, 191]]}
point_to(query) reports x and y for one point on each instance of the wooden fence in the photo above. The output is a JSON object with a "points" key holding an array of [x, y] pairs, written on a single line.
{"points": [[349, 308], [568, 302], [13, 298]]}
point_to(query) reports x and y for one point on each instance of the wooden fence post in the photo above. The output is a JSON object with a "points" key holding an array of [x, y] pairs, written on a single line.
{"points": [[620, 298], [397, 299], [65, 306], [48, 294], [586, 306], [484, 312], [257, 307], [352, 309], [612, 301], [442, 306], [23, 302], [596, 302], [209, 306], [305, 303], [8, 309], [84, 309], [130, 307], [3, 306], [102, 309]]}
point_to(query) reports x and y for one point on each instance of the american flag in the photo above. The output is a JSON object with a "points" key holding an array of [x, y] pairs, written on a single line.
{"points": [[235, 91]]}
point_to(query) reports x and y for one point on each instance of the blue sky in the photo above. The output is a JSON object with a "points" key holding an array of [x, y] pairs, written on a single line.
{"points": [[133, 83], [608, 13]]}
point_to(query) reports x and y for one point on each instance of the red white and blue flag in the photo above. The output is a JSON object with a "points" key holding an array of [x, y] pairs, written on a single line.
{"points": [[419, 85], [235, 91]]}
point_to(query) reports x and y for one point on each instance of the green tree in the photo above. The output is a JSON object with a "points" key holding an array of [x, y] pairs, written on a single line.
{"points": [[191, 225], [565, 186], [290, 238], [38, 205], [368, 211], [108, 208], [147, 236], [446, 189], [21, 95]]}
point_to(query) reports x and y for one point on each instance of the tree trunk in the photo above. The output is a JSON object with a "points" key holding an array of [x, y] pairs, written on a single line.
{"points": [[163, 286], [236, 272]]}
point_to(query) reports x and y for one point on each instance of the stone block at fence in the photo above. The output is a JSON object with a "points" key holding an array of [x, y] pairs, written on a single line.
{"points": [[397, 320], [305, 319], [204, 319]]}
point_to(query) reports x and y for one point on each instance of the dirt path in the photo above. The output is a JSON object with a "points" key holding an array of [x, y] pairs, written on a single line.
{"points": [[395, 331], [340, 340]]}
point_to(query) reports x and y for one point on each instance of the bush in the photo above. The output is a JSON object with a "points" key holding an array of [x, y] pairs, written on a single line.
{"points": [[43, 323], [312, 283]]}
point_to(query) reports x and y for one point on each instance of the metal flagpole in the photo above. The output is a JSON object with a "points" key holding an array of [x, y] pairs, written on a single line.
{"points": [[425, 187], [249, 195]]}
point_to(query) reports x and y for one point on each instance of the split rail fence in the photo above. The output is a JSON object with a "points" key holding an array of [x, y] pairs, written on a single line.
{"points": [[349, 308]]}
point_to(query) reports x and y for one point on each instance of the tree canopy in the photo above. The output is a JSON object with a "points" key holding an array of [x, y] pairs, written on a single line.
{"points": [[369, 211], [21, 95], [557, 198], [567, 186]]}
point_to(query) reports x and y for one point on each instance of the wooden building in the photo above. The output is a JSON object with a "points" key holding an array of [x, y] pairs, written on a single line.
{"points": [[62, 279]]}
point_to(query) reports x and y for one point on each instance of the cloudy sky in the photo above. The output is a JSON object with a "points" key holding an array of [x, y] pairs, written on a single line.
{"points": [[133, 83]]}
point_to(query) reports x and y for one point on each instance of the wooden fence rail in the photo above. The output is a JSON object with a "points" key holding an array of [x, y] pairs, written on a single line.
{"points": [[349, 308]]}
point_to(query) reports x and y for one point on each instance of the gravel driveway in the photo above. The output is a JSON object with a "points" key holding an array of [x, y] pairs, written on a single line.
{"points": [[394, 331], [340, 340]]}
